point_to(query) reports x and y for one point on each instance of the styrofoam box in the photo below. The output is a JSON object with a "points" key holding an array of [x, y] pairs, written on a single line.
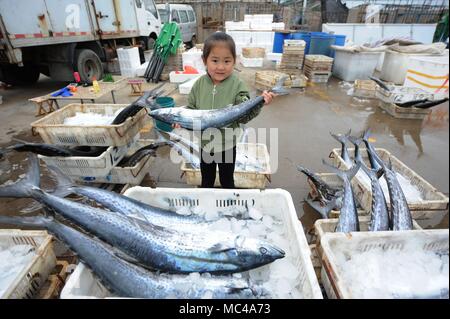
{"points": [[395, 66], [252, 62], [274, 56], [278, 25], [241, 25], [140, 71], [428, 73], [241, 36], [262, 37], [402, 242], [185, 88], [129, 60], [351, 66], [274, 202], [33, 275], [180, 77], [193, 58]]}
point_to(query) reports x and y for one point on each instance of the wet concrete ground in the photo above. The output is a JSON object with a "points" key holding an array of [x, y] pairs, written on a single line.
{"points": [[303, 121]]}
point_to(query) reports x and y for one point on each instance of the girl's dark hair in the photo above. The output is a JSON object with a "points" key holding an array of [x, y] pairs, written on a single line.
{"points": [[216, 37]]}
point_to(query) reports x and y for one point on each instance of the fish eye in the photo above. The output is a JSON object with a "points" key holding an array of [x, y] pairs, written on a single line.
{"points": [[263, 250]]}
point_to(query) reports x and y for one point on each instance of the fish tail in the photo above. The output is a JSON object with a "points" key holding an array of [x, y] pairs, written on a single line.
{"points": [[64, 183], [343, 138], [25, 186], [324, 211], [355, 140], [349, 173], [365, 135]]}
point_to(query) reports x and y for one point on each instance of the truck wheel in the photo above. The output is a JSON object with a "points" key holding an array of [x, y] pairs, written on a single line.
{"points": [[88, 65], [15, 75], [150, 43]]}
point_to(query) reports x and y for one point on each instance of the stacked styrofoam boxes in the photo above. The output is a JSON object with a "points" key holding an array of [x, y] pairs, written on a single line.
{"points": [[129, 61], [193, 58], [241, 25], [278, 25], [263, 39]]}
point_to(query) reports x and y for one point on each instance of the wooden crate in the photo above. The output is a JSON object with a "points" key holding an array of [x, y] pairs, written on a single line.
{"points": [[265, 80], [253, 52], [398, 112]]}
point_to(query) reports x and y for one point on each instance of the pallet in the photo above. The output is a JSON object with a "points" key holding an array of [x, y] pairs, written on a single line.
{"points": [[265, 80]]}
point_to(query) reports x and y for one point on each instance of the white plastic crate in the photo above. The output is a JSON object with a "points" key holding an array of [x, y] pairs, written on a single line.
{"points": [[433, 201], [242, 179], [402, 242], [274, 202], [52, 129], [398, 112], [324, 226], [252, 62], [123, 175], [27, 283], [400, 94], [79, 166]]}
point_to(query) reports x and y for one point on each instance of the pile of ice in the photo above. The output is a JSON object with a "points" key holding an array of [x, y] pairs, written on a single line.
{"points": [[281, 277], [91, 118], [383, 274], [412, 193], [248, 163], [13, 260]]}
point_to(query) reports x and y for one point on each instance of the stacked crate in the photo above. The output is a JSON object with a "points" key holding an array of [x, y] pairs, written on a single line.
{"points": [[265, 80], [293, 55], [318, 68], [120, 140]]}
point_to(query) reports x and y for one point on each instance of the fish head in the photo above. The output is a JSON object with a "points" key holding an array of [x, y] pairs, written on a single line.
{"points": [[252, 251]]}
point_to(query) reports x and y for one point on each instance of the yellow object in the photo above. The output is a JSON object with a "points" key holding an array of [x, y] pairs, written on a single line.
{"points": [[95, 86]]}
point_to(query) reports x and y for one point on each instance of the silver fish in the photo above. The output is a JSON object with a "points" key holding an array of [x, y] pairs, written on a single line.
{"points": [[128, 280], [348, 218], [157, 247], [401, 216], [216, 118], [379, 210]]}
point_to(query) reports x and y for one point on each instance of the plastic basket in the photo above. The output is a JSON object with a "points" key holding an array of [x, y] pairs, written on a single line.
{"points": [[433, 200], [124, 175], [435, 240], [53, 131], [275, 202], [324, 226], [398, 112], [77, 166], [242, 179], [28, 282]]}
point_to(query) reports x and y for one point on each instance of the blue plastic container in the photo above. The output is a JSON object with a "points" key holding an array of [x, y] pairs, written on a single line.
{"points": [[164, 101], [340, 40], [321, 43], [305, 36], [278, 41]]}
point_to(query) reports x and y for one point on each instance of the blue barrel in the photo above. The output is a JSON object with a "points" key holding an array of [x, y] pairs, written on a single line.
{"points": [[340, 40], [321, 43], [278, 41], [164, 101], [305, 36]]}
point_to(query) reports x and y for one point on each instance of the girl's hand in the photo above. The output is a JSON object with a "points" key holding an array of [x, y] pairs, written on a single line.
{"points": [[268, 97], [176, 125]]}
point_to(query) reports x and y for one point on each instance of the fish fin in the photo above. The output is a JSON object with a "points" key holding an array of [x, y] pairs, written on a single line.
{"points": [[324, 211], [24, 187], [63, 182], [219, 248]]}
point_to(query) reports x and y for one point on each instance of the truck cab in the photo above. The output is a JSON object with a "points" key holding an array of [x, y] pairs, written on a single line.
{"points": [[59, 37]]}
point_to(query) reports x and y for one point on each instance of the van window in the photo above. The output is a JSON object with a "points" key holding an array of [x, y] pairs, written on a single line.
{"points": [[191, 16], [150, 6], [175, 16], [183, 16]]}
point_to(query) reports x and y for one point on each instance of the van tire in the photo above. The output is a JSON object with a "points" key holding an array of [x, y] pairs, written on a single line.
{"points": [[88, 65], [15, 75]]}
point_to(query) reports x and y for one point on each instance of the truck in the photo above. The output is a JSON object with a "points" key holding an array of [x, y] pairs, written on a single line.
{"points": [[60, 37]]}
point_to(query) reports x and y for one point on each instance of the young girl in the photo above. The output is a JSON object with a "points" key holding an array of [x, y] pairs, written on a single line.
{"points": [[214, 90]]}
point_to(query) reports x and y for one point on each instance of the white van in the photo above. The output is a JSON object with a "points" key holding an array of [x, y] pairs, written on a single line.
{"points": [[184, 16]]}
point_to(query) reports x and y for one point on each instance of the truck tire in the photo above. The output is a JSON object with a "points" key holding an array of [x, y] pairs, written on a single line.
{"points": [[15, 75], [150, 43], [88, 65]]}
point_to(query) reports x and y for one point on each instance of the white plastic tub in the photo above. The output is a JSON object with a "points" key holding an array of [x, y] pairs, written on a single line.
{"points": [[351, 66], [274, 202], [429, 74], [336, 245], [28, 281]]}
